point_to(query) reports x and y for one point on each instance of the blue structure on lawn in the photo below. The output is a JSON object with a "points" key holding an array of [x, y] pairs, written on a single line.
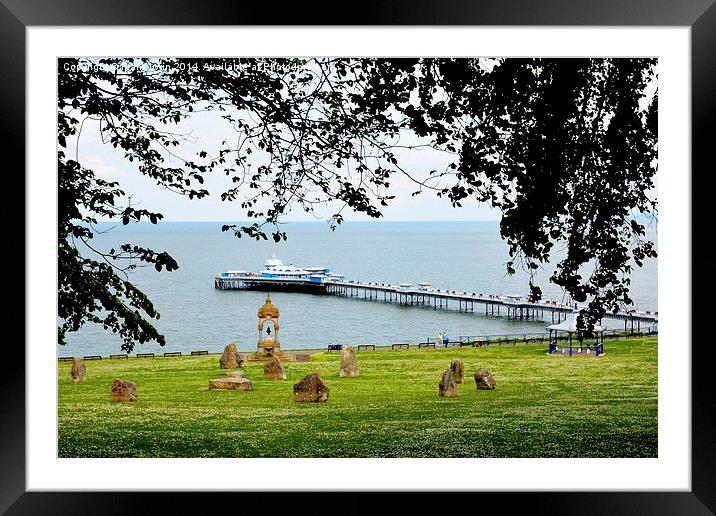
{"points": [[569, 326]]}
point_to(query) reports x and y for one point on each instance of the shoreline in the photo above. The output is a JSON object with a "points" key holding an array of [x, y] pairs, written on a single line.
{"points": [[429, 344]]}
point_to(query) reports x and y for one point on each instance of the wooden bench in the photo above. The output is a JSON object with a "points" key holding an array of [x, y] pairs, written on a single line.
{"points": [[65, 359], [426, 345], [93, 357], [335, 347], [173, 354], [199, 353], [366, 347], [145, 355], [118, 357], [400, 346]]}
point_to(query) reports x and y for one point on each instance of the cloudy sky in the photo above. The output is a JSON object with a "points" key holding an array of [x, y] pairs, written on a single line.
{"points": [[208, 131]]}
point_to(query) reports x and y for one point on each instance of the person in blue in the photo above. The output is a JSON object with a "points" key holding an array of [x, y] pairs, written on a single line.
{"points": [[445, 339]]}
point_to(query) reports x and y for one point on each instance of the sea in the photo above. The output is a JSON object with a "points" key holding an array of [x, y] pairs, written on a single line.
{"points": [[466, 256]]}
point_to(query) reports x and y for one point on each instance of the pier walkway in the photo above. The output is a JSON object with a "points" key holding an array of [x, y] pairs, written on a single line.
{"points": [[512, 307]]}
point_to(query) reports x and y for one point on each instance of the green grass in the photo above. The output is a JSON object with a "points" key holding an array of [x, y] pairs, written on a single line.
{"points": [[543, 406]]}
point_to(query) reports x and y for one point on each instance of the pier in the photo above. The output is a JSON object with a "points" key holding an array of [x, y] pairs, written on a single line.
{"points": [[512, 307]]}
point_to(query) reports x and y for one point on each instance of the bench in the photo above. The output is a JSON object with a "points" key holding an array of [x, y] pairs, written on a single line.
{"points": [[467, 343], [366, 347], [93, 357], [145, 355], [118, 357], [452, 344], [199, 353], [173, 354], [335, 347], [426, 345], [65, 359], [400, 346]]}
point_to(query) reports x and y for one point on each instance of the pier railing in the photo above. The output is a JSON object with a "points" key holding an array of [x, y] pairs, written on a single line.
{"points": [[430, 297]]}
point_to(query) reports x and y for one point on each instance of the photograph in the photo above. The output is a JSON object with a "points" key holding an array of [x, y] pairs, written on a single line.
{"points": [[357, 257]]}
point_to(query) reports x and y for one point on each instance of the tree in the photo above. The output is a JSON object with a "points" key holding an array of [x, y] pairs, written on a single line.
{"points": [[566, 148], [563, 147]]}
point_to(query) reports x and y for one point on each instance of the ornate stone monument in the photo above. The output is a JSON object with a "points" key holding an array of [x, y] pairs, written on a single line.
{"points": [[268, 317], [269, 344]]}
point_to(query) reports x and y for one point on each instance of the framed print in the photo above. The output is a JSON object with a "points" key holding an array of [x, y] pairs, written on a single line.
{"points": [[531, 172]]}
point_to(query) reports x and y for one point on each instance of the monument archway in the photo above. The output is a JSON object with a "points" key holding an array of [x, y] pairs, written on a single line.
{"points": [[269, 343]]}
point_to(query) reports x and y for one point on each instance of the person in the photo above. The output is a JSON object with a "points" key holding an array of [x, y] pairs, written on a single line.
{"points": [[445, 339], [440, 339]]}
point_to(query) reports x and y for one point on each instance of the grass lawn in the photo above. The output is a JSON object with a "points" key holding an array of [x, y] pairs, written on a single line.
{"points": [[543, 406]]}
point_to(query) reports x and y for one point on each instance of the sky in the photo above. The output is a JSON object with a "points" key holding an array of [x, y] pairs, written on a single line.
{"points": [[208, 130]]}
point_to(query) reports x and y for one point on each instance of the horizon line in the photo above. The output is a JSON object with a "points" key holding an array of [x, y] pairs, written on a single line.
{"points": [[302, 221]]}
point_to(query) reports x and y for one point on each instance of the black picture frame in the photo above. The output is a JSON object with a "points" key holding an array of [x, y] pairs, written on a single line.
{"points": [[700, 15]]}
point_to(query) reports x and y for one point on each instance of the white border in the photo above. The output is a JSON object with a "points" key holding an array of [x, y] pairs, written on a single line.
{"points": [[672, 468]]}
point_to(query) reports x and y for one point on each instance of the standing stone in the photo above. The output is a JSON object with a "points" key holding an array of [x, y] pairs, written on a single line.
{"points": [[349, 362], [448, 386], [123, 390], [230, 359], [484, 380], [273, 369], [458, 369], [78, 370], [310, 389]]}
